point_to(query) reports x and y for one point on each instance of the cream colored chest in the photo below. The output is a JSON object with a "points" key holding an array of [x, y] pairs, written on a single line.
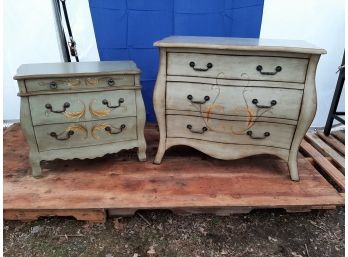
{"points": [[232, 98], [80, 110]]}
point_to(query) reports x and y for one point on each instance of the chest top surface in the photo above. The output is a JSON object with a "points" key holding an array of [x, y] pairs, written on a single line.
{"points": [[44, 70], [230, 43]]}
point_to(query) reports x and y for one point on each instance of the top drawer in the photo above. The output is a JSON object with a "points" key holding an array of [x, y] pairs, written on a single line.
{"points": [[238, 67], [79, 83]]}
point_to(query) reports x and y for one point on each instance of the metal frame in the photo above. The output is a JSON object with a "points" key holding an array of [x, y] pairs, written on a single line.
{"points": [[333, 113], [68, 48]]}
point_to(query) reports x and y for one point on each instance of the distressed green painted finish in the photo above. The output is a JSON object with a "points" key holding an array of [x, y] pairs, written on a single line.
{"points": [[73, 83], [92, 109], [82, 106], [85, 133]]}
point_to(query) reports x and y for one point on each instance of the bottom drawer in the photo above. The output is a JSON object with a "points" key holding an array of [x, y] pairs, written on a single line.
{"points": [[233, 132], [69, 135]]}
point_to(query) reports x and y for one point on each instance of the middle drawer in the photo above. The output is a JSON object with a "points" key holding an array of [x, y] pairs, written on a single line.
{"points": [[61, 108], [232, 100]]}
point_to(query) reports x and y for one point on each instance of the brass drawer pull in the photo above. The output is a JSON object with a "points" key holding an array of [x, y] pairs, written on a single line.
{"points": [[255, 101], [250, 134], [67, 136], [65, 106], [111, 82], [206, 99], [277, 69], [119, 130], [209, 66], [53, 85], [204, 129], [106, 102]]}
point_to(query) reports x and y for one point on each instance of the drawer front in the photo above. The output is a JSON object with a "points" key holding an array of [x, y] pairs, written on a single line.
{"points": [[56, 84], [237, 67], [232, 100], [233, 132], [69, 135], [61, 108]]}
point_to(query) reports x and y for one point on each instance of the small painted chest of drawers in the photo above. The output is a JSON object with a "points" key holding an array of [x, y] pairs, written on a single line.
{"points": [[232, 97], [80, 110]]}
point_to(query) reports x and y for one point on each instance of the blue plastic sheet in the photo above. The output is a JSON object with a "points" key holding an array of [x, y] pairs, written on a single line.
{"points": [[126, 30]]}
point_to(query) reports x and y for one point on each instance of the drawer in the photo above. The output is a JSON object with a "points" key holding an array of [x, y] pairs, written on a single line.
{"points": [[69, 135], [79, 83], [61, 108], [234, 100], [238, 67], [232, 132]]}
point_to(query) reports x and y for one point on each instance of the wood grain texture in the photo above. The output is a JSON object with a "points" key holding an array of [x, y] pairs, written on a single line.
{"points": [[288, 102], [308, 109], [333, 142], [240, 44], [325, 149], [237, 67], [187, 180], [340, 135], [325, 164]]}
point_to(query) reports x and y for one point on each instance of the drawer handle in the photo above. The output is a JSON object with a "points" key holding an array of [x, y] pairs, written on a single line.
{"points": [[209, 66], [53, 85], [65, 106], [67, 135], [206, 99], [276, 70], [118, 130], [106, 102], [255, 101], [204, 129], [250, 134], [111, 82]]}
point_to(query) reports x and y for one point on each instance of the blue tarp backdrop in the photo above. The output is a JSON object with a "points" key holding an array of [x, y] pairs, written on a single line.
{"points": [[127, 29]]}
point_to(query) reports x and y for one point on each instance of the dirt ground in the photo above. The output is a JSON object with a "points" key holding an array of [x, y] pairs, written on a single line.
{"points": [[268, 233]]}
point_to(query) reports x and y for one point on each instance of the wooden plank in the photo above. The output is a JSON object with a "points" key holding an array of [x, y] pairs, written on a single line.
{"points": [[339, 135], [186, 180], [325, 164], [97, 215], [325, 149], [333, 142]]}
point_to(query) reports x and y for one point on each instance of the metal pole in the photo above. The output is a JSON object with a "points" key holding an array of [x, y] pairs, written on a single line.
{"points": [[62, 38], [72, 43]]}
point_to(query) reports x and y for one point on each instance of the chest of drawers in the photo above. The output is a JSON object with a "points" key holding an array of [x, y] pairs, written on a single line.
{"points": [[232, 97], [80, 110]]}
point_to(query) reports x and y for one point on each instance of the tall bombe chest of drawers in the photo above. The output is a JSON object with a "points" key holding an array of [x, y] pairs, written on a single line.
{"points": [[80, 110], [233, 97]]}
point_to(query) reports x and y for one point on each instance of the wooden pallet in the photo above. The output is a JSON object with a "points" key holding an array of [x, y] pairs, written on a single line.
{"points": [[327, 154], [186, 182]]}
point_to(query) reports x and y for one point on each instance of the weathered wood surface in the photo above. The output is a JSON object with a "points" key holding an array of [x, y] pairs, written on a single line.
{"points": [[333, 142], [340, 135], [187, 180], [325, 149], [324, 163]]}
